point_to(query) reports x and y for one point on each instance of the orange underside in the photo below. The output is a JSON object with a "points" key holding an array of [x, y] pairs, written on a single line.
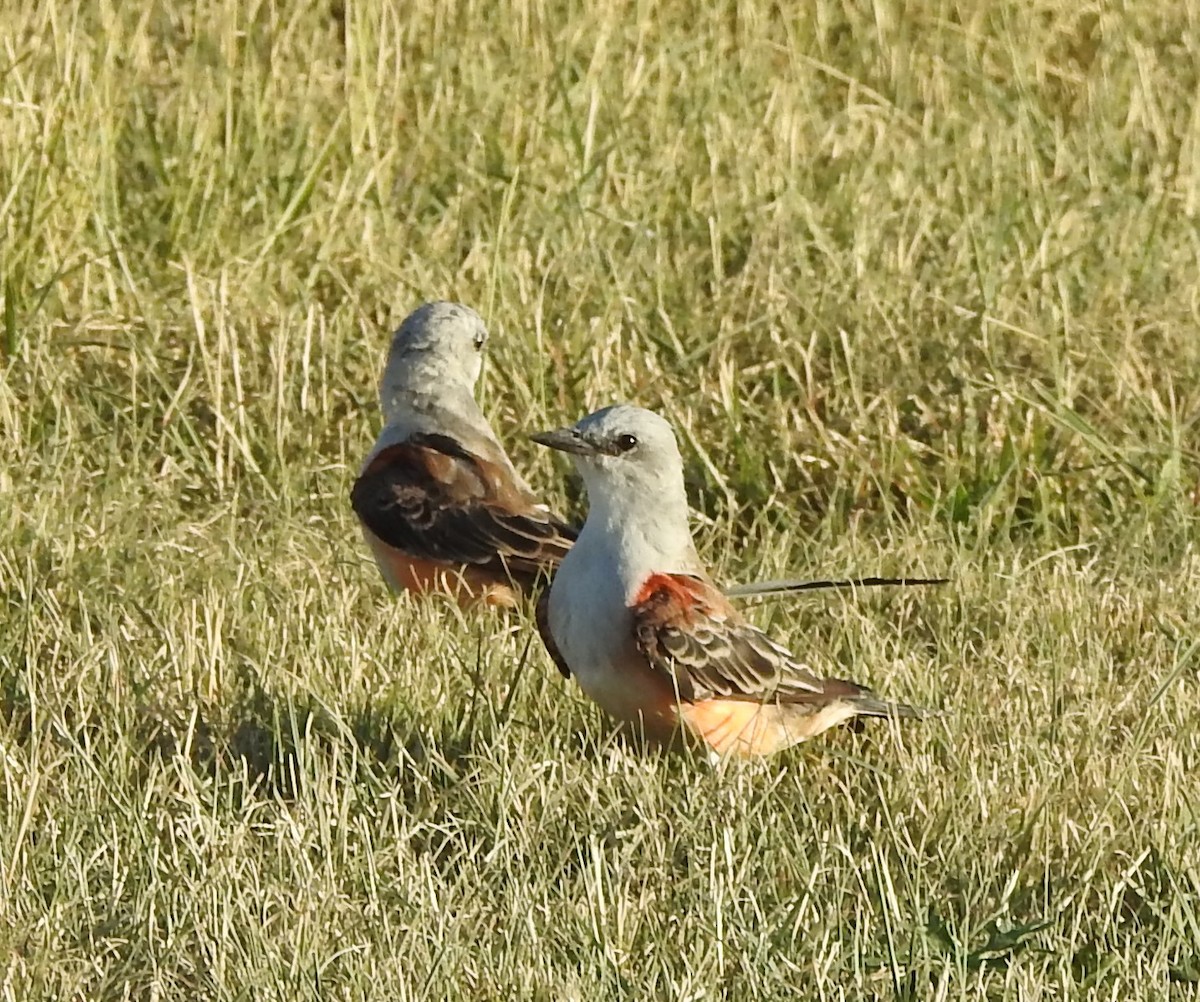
{"points": [[466, 585], [737, 727]]}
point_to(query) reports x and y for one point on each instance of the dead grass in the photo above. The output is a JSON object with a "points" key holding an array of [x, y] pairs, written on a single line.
{"points": [[916, 282]]}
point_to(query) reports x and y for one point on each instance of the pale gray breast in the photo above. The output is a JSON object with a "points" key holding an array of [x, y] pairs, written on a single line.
{"points": [[589, 619]]}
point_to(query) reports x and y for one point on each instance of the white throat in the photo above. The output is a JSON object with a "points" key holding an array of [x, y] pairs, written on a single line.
{"points": [[640, 524]]}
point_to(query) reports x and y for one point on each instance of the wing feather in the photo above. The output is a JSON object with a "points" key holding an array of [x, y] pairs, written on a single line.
{"points": [[688, 630], [542, 618], [432, 499]]}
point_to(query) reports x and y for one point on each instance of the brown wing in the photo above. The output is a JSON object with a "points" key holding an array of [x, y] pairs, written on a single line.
{"points": [[542, 617], [430, 498], [688, 630]]}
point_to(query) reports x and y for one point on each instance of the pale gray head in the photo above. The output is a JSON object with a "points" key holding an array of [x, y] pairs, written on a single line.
{"points": [[626, 455], [437, 349]]}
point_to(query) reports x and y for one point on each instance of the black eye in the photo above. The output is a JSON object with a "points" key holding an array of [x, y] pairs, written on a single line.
{"points": [[480, 338], [626, 442]]}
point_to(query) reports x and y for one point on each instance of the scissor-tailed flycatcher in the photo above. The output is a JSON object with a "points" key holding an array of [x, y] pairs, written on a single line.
{"points": [[441, 505], [634, 616]]}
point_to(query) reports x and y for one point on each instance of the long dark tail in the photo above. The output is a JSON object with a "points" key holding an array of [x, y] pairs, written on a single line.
{"points": [[785, 586], [871, 706]]}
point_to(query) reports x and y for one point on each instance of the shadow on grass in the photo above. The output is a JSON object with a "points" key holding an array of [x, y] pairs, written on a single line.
{"points": [[272, 743]]}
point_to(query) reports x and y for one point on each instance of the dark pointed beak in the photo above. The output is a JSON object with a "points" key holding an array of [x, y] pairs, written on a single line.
{"points": [[565, 440]]}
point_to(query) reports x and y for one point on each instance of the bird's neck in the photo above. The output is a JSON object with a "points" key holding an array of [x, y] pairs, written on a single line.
{"points": [[415, 391], [648, 537], [447, 409]]}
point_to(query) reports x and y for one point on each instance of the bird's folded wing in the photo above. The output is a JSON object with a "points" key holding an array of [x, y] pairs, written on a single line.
{"points": [[542, 618], [687, 629], [431, 498]]}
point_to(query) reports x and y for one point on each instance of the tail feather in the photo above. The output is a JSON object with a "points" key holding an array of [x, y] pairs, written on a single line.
{"points": [[863, 700], [786, 586], [868, 705]]}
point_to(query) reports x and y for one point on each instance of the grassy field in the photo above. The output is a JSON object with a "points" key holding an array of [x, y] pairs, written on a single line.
{"points": [[918, 284]]}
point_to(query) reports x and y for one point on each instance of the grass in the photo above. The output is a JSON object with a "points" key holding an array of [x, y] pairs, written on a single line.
{"points": [[917, 283]]}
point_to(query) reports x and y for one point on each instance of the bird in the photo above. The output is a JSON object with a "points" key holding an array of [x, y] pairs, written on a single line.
{"points": [[441, 505], [634, 616]]}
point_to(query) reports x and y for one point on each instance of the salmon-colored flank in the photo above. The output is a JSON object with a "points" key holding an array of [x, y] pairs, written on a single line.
{"points": [[735, 727], [466, 585], [727, 725]]}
